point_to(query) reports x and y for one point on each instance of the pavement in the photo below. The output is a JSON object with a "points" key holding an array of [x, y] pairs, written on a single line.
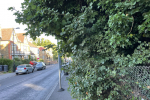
{"points": [[63, 95], [54, 94], [6, 75]]}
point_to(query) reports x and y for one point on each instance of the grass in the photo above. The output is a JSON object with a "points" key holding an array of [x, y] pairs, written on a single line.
{"points": [[5, 72]]}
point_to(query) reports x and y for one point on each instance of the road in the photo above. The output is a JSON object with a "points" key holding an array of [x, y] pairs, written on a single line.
{"points": [[33, 86]]}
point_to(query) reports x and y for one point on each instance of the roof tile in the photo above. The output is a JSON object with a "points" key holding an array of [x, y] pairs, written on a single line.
{"points": [[41, 48], [21, 36], [6, 33]]}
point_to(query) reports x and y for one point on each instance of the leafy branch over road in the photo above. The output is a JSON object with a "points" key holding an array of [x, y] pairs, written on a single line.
{"points": [[104, 36]]}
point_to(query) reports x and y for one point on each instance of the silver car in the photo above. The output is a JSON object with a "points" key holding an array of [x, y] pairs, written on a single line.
{"points": [[40, 65], [24, 68]]}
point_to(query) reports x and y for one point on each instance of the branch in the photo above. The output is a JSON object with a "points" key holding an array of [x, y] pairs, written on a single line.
{"points": [[132, 25]]}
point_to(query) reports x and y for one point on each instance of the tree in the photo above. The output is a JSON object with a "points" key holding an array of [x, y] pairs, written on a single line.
{"points": [[42, 42], [104, 36], [47, 44], [55, 53]]}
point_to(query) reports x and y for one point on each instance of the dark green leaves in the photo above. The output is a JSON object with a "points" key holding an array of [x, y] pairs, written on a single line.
{"points": [[102, 35]]}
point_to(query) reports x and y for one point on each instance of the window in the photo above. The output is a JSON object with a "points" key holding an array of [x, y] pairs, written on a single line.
{"points": [[38, 51], [26, 57], [16, 56], [25, 48], [28, 66], [13, 47], [21, 66], [43, 63]]}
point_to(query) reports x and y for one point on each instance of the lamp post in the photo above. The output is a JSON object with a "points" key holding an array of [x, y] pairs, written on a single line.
{"points": [[59, 63], [14, 49]]}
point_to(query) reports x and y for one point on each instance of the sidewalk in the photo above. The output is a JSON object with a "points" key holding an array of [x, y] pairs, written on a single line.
{"points": [[6, 75], [64, 95]]}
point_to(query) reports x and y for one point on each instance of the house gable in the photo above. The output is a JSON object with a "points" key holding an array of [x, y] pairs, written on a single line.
{"points": [[25, 40], [6, 34], [14, 38], [20, 36]]}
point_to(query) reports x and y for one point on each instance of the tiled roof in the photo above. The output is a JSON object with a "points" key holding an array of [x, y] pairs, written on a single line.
{"points": [[6, 33], [32, 45], [40, 48], [21, 36]]}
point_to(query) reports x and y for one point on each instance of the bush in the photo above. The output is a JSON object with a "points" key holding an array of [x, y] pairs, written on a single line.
{"points": [[8, 62], [62, 60], [29, 57], [25, 61], [35, 59], [41, 60], [18, 63], [104, 36], [17, 59]]}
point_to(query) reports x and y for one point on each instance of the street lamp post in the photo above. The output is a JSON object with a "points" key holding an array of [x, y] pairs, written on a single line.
{"points": [[59, 62], [1, 48], [14, 49]]}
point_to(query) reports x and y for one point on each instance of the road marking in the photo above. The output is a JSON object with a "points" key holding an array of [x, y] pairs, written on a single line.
{"points": [[49, 95]]}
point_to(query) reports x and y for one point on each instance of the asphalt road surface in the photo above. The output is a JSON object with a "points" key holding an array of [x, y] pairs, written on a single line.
{"points": [[33, 86]]}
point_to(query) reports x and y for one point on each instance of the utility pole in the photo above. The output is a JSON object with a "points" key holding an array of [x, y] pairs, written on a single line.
{"points": [[13, 49], [59, 63], [13, 53]]}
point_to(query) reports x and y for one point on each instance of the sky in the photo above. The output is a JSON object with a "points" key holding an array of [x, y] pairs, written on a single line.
{"points": [[7, 19]]}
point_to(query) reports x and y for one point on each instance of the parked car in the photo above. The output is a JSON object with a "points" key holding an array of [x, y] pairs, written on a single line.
{"points": [[24, 68], [40, 65], [33, 63]]}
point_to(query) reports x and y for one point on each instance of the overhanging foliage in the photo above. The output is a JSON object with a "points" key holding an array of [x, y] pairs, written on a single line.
{"points": [[105, 37]]}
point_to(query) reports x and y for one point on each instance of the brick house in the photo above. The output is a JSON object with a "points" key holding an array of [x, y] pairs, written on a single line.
{"points": [[43, 55], [6, 43], [16, 45], [13, 45]]}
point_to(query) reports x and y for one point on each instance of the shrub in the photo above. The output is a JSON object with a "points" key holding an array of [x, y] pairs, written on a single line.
{"points": [[17, 59], [30, 57], [104, 36], [41, 60], [35, 59], [18, 63], [8, 62], [62, 60], [25, 61]]}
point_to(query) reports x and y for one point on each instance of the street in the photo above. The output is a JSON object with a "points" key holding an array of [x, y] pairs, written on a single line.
{"points": [[33, 86]]}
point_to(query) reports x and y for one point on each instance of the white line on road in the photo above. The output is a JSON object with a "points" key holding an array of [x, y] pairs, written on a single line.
{"points": [[49, 95]]}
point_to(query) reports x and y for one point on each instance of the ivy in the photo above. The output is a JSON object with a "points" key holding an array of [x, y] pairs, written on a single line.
{"points": [[105, 38]]}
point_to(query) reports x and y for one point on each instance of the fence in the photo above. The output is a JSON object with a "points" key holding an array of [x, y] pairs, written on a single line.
{"points": [[138, 78]]}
